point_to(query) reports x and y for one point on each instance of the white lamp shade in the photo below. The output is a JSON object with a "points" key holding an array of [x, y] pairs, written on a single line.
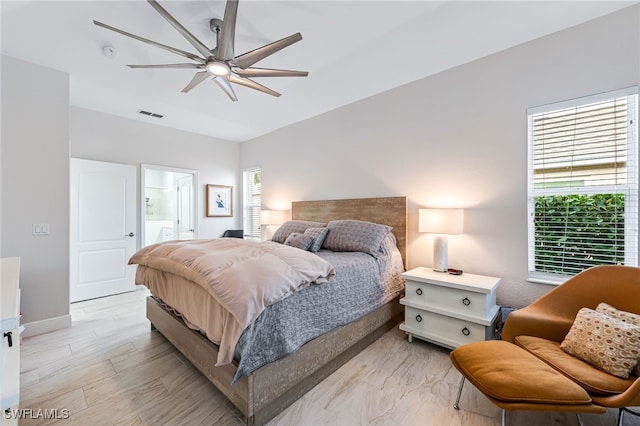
{"points": [[273, 217], [441, 221]]}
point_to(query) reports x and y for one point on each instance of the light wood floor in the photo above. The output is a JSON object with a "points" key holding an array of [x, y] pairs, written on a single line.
{"points": [[110, 369]]}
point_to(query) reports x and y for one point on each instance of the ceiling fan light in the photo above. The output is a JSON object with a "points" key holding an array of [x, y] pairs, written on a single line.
{"points": [[219, 69]]}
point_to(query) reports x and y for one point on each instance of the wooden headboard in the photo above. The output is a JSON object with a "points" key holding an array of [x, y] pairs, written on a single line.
{"points": [[390, 211]]}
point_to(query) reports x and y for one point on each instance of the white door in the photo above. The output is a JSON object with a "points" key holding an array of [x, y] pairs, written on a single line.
{"points": [[186, 217], [103, 226]]}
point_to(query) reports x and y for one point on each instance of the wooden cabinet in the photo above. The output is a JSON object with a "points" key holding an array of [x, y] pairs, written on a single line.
{"points": [[449, 310], [10, 348]]}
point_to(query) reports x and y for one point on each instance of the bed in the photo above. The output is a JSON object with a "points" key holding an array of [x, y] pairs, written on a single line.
{"points": [[262, 386]]}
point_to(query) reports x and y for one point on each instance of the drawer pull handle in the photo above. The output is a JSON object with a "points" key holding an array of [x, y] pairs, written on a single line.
{"points": [[466, 301], [9, 337], [466, 331], [419, 292], [418, 318]]}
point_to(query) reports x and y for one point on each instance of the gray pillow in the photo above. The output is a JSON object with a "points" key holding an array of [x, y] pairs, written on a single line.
{"points": [[291, 226], [297, 240], [355, 235], [318, 235]]}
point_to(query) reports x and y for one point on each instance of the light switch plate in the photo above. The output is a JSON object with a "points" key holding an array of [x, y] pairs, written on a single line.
{"points": [[40, 229]]}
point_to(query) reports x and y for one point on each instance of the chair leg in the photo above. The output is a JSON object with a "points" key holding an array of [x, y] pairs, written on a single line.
{"points": [[455, 405], [623, 410], [579, 419], [504, 417]]}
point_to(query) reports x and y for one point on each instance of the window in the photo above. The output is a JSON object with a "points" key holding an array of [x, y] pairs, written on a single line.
{"points": [[583, 185], [252, 184]]}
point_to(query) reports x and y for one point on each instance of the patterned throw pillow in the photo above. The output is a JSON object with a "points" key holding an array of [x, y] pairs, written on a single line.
{"points": [[355, 235], [628, 317], [606, 343], [297, 240], [318, 235], [291, 226]]}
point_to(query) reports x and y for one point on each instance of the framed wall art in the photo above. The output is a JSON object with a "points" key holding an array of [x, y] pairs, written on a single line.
{"points": [[219, 200]]}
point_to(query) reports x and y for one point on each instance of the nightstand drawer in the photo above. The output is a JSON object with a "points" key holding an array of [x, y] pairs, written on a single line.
{"points": [[467, 303], [451, 332]]}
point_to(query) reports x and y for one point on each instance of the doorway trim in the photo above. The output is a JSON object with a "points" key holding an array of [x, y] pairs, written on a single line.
{"points": [[143, 168]]}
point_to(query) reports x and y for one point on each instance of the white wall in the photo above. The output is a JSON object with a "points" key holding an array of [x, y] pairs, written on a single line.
{"points": [[35, 184], [35, 176], [105, 137], [455, 139]]}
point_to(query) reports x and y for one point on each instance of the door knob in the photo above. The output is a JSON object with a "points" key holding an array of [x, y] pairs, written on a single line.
{"points": [[130, 234]]}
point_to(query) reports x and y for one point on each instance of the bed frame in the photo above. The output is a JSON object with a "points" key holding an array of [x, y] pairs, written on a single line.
{"points": [[267, 391]]}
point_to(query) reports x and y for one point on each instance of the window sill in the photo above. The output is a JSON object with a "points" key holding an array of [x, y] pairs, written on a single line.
{"points": [[538, 279]]}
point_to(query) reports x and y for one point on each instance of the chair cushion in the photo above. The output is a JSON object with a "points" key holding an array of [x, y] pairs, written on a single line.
{"points": [[593, 380], [628, 317], [607, 343], [506, 372]]}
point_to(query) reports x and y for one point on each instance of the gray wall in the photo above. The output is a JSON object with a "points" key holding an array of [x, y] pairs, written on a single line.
{"points": [[34, 185], [455, 139]]}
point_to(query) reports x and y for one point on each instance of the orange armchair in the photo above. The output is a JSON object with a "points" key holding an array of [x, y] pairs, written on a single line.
{"points": [[549, 319]]}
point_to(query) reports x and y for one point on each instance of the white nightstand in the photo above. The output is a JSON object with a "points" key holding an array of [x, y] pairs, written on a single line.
{"points": [[10, 334], [449, 310]]}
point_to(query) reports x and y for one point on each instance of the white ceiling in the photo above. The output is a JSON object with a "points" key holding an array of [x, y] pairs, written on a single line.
{"points": [[352, 49]]}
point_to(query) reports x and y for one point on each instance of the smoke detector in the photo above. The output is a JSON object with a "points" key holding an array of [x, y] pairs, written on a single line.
{"points": [[109, 51]]}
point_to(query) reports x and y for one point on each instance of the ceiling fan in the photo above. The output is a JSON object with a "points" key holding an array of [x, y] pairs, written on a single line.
{"points": [[220, 63]]}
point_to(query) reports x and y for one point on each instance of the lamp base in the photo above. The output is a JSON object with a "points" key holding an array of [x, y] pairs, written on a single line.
{"points": [[269, 230], [440, 253]]}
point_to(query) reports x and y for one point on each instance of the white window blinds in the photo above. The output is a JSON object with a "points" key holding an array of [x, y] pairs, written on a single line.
{"points": [[583, 184], [252, 201]]}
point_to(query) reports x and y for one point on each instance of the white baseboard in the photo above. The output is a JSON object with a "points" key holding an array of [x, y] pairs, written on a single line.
{"points": [[46, 326]]}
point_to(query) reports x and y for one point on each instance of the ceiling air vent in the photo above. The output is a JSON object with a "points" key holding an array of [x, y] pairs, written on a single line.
{"points": [[150, 114]]}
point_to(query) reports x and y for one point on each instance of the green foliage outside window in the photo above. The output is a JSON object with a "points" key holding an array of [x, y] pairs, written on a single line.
{"points": [[575, 232]]}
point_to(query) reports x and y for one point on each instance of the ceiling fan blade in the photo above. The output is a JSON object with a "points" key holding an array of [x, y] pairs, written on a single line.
{"points": [[226, 41], [247, 59], [153, 43], [268, 72], [252, 84], [197, 79], [226, 87], [191, 66], [200, 47]]}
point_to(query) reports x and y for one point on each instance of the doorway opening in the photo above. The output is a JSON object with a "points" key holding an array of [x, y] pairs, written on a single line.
{"points": [[168, 204]]}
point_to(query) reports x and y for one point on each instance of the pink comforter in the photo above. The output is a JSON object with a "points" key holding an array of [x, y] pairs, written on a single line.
{"points": [[244, 276]]}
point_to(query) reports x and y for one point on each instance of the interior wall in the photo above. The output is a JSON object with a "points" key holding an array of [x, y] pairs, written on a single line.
{"points": [[34, 185], [104, 137], [35, 177], [455, 139]]}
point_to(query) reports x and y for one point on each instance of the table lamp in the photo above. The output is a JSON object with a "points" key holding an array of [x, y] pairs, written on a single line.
{"points": [[442, 222], [271, 219]]}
